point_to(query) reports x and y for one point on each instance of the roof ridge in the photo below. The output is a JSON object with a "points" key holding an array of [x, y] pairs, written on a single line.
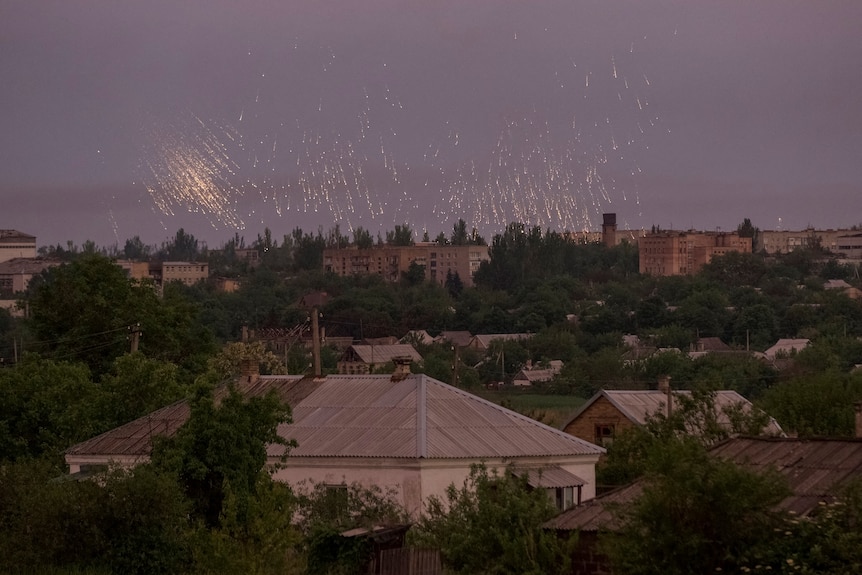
{"points": [[530, 420]]}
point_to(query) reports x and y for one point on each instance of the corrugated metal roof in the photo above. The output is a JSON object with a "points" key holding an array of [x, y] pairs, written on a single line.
{"points": [[551, 476], [640, 405], [815, 469], [372, 416], [383, 353], [134, 439]]}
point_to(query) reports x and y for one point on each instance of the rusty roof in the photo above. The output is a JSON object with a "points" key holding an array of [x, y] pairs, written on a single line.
{"points": [[368, 416], [815, 470]]}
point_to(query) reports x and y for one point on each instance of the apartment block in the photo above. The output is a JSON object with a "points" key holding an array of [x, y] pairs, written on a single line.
{"points": [[669, 253], [188, 273], [14, 244], [390, 262]]}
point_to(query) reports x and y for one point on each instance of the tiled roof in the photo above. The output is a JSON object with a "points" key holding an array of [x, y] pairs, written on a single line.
{"points": [[370, 416], [639, 405], [815, 470]]}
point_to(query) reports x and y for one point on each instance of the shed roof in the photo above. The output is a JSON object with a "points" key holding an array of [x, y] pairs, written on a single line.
{"points": [[815, 470], [369, 416]]}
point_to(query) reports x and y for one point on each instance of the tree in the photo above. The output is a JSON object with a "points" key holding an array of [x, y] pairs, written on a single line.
{"points": [[135, 249], [83, 310], [453, 284], [182, 248], [493, 524], [747, 230], [326, 511], [362, 238], [816, 405], [136, 386], [222, 449], [696, 514], [45, 407], [459, 237], [415, 274], [402, 235]]}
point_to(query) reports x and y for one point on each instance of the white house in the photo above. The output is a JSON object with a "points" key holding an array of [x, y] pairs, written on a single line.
{"points": [[405, 432]]}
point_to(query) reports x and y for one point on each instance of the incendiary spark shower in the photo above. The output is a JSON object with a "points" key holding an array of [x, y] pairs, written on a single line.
{"points": [[372, 150]]}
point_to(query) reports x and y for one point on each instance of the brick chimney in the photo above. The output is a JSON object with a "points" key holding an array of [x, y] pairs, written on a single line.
{"points": [[249, 371], [858, 407], [664, 387], [402, 368]]}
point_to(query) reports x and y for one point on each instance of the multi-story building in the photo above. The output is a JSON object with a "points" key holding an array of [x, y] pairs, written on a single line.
{"points": [[390, 262], [188, 273], [14, 244], [670, 253], [845, 243], [16, 273]]}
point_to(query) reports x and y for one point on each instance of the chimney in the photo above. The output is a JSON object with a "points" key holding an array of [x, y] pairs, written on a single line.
{"points": [[664, 387], [858, 407], [402, 368], [249, 371], [609, 230]]}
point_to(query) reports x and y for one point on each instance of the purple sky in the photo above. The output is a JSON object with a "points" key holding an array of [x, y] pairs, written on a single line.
{"points": [[141, 117]]}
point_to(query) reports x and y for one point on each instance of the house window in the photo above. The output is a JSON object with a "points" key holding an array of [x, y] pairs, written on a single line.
{"points": [[335, 500], [564, 497], [604, 434]]}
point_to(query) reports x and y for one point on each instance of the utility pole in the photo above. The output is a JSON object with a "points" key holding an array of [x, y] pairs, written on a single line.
{"points": [[135, 336], [455, 366], [315, 341]]}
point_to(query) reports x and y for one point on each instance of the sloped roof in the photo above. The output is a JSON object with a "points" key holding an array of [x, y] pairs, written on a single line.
{"points": [[535, 375], [383, 353], [134, 439], [459, 338], [786, 346], [416, 417], [815, 470], [27, 266], [551, 476], [369, 416], [484, 340], [640, 405], [11, 236]]}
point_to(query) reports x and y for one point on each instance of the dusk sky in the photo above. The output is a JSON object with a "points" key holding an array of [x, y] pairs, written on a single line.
{"points": [[124, 118]]}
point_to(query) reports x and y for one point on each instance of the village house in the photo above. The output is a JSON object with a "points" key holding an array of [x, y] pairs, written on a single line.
{"points": [[482, 342], [611, 412], [531, 375], [403, 432], [359, 359]]}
